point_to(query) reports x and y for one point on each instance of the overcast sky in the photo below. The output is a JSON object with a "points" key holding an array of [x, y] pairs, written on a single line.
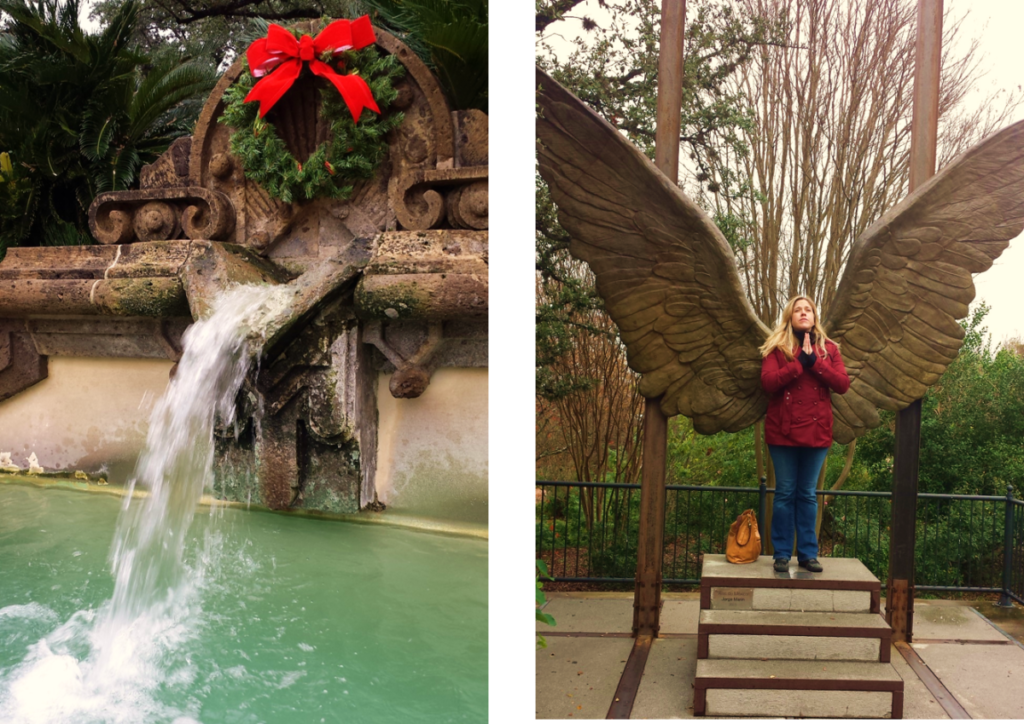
{"points": [[997, 23]]}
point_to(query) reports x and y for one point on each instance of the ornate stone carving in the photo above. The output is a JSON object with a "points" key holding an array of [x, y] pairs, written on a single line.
{"points": [[436, 175], [467, 206], [411, 376], [422, 145], [155, 221], [417, 197], [119, 217]]}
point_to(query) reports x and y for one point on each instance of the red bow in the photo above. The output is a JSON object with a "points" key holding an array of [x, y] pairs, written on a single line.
{"points": [[282, 53]]}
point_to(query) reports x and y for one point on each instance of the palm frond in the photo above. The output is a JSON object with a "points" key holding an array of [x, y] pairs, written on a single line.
{"points": [[117, 170], [167, 84], [459, 53], [97, 132], [450, 36], [81, 112]]}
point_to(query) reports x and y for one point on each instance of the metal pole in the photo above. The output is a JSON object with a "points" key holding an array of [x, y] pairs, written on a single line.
{"points": [[923, 140], [1004, 599], [650, 549], [924, 128], [762, 503]]}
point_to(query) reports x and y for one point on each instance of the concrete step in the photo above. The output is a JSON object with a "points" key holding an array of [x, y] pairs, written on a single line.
{"points": [[813, 636], [809, 689], [845, 586]]}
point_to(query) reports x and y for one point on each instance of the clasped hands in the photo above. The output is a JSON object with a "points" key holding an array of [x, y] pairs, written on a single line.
{"points": [[808, 358]]}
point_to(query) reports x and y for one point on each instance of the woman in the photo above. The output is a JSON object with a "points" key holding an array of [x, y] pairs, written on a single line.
{"points": [[800, 366]]}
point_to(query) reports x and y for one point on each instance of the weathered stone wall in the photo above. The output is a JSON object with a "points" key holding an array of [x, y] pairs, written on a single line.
{"points": [[432, 450], [88, 413], [92, 414]]}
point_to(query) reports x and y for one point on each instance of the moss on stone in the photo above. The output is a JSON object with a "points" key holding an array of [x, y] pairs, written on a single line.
{"points": [[147, 297], [396, 301]]}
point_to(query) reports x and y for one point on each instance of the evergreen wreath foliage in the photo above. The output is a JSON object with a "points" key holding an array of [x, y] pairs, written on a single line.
{"points": [[353, 152]]}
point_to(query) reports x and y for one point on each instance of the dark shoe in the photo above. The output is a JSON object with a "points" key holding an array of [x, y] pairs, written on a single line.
{"points": [[781, 565], [812, 565]]}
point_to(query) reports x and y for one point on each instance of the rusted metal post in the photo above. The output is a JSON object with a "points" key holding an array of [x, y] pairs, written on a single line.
{"points": [[650, 548], [670, 87], [924, 128], [899, 608]]}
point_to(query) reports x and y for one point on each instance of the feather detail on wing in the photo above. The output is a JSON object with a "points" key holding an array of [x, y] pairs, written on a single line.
{"points": [[663, 268], [909, 280]]}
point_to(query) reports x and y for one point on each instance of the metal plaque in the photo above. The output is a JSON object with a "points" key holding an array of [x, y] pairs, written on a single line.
{"points": [[732, 599]]}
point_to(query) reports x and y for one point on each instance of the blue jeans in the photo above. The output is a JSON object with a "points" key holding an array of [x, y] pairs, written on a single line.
{"points": [[796, 505]]}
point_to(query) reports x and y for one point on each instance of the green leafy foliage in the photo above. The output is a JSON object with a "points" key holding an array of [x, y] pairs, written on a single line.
{"points": [[353, 153], [214, 32], [545, 618], [450, 36], [972, 423], [81, 113], [971, 444], [18, 198], [614, 69]]}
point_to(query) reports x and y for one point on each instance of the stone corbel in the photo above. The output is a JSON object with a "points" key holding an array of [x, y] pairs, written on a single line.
{"points": [[120, 217], [419, 205], [412, 375]]}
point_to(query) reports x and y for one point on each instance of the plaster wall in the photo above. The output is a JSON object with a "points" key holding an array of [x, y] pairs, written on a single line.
{"points": [[89, 414], [432, 450]]}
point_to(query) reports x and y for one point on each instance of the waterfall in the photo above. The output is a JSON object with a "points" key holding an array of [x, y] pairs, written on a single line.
{"points": [[105, 663], [177, 463]]}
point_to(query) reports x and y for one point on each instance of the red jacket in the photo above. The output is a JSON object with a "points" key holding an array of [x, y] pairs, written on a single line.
{"points": [[800, 406]]}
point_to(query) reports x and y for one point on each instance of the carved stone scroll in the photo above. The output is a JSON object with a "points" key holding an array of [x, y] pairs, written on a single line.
{"points": [[419, 205], [119, 217], [155, 221], [468, 206]]}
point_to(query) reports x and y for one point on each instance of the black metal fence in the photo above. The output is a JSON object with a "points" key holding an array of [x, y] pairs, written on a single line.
{"points": [[588, 532]]}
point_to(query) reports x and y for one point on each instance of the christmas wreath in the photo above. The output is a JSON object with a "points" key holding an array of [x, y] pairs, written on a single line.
{"points": [[344, 54]]}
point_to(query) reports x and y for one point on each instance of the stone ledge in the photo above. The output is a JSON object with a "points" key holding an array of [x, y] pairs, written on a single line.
{"points": [[143, 259], [442, 251]]}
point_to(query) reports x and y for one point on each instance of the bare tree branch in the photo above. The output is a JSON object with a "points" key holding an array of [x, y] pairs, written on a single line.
{"points": [[829, 146]]}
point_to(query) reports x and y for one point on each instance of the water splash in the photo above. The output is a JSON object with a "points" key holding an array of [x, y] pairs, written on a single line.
{"points": [[107, 663], [177, 463]]}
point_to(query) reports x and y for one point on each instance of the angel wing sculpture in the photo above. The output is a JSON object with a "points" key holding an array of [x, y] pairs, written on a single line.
{"points": [[670, 282]]}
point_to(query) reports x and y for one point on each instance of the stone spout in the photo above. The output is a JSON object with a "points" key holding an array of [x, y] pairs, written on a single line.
{"points": [[214, 266], [325, 282]]}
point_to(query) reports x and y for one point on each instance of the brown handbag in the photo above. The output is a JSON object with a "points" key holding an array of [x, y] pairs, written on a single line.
{"points": [[744, 542]]}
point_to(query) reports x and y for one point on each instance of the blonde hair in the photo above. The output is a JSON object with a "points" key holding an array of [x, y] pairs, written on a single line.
{"points": [[783, 337]]}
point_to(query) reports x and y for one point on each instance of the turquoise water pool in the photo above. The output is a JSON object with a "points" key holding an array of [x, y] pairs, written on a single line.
{"points": [[282, 620]]}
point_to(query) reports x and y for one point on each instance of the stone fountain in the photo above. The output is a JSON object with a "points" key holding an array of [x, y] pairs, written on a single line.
{"points": [[371, 392]]}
